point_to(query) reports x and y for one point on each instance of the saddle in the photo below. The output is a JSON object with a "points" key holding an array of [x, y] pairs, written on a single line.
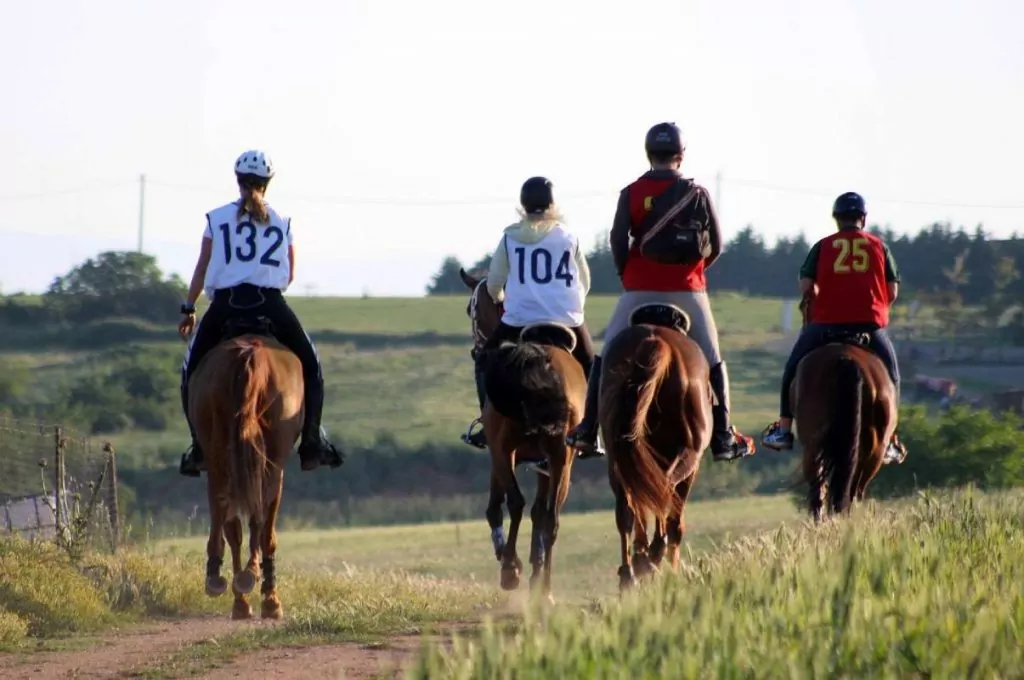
{"points": [[247, 325], [550, 334], [661, 314], [839, 337]]}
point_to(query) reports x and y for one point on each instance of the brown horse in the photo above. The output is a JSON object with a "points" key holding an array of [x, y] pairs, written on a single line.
{"points": [[246, 401], [846, 413], [655, 414], [535, 395]]}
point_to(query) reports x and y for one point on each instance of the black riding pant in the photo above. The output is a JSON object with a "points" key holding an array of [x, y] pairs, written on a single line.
{"points": [[815, 335], [583, 352], [249, 302]]}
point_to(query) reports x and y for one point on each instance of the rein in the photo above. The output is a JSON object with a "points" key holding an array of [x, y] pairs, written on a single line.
{"points": [[478, 335]]}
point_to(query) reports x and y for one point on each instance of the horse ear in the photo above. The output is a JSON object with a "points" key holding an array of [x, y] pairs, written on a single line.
{"points": [[468, 279]]}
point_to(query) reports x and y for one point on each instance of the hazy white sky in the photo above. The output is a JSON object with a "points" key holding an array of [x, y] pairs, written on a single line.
{"points": [[402, 130]]}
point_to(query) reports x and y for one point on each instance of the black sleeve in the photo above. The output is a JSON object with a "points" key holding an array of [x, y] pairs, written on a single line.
{"points": [[714, 233]]}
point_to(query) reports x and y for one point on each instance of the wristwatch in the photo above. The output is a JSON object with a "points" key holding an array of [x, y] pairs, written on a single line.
{"points": [[187, 309]]}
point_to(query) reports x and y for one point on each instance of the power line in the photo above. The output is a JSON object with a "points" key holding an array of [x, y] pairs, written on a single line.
{"points": [[65, 192]]}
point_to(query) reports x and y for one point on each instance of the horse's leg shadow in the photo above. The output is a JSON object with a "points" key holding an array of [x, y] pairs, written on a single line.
{"points": [[240, 609]]}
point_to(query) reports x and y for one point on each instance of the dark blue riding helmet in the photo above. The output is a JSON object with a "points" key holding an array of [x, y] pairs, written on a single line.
{"points": [[664, 139], [536, 196], [850, 203]]}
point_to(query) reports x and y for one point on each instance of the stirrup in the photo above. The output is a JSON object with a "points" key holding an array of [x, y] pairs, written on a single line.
{"points": [[473, 438]]}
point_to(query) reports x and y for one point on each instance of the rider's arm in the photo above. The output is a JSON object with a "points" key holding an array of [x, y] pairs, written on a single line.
{"points": [[619, 237], [582, 269], [497, 275], [291, 252], [809, 270], [195, 288], [714, 233], [892, 274]]}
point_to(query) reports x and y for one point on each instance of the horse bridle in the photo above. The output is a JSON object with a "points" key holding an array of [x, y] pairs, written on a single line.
{"points": [[478, 335]]}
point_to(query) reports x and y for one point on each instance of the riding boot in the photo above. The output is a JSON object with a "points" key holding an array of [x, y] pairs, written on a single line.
{"points": [[585, 436], [192, 462], [315, 449], [726, 442]]}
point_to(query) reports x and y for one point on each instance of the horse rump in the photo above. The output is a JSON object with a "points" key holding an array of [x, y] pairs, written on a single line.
{"points": [[523, 386], [841, 449]]}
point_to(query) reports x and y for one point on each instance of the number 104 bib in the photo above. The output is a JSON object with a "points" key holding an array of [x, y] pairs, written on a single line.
{"points": [[543, 281]]}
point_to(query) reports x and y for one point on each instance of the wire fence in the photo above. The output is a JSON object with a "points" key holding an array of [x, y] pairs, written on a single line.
{"points": [[56, 484]]}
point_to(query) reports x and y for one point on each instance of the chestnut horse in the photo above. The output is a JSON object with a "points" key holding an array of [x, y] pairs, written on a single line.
{"points": [[844, 405], [655, 415], [246, 400], [535, 394]]}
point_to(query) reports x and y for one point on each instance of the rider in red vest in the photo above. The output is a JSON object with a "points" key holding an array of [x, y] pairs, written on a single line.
{"points": [[853, 279]]}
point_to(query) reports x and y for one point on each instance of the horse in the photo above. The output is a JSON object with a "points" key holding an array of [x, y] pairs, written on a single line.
{"points": [[535, 392], [246, 401], [845, 408], [655, 414]]}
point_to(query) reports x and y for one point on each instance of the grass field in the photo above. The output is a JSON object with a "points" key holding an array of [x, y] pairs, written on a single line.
{"points": [[928, 587], [401, 365]]}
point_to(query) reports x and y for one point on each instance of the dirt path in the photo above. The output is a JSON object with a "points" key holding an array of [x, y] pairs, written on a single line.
{"points": [[126, 653], [349, 661]]}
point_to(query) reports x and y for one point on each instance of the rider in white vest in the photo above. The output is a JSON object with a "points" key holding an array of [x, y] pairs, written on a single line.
{"points": [[246, 261], [540, 275]]}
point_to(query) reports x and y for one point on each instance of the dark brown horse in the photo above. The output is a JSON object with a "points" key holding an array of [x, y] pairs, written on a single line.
{"points": [[655, 415], [246, 401], [846, 413], [535, 394]]}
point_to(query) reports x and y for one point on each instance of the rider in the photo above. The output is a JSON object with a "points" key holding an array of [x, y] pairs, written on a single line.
{"points": [[541, 275], [243, 270], [853, 280], [683, 285]]}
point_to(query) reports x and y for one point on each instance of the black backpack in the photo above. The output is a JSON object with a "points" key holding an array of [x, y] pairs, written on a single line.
{"points": [[676, 230]]}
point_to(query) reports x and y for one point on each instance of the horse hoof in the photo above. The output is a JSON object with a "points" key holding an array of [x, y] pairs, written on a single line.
{"points": [[509, 579], [271, 609], [241, 611], [627, 584], [245, 582], [216, 586]]}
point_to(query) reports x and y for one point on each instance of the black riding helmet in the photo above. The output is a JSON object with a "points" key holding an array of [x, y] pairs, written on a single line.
{"points": [[850, 203], [536, 195], [664, 140]]}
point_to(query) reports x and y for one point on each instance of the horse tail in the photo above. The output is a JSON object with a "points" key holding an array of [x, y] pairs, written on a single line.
{"points": [[636, 463], [247, 454], [842, 442], [523, 386]]}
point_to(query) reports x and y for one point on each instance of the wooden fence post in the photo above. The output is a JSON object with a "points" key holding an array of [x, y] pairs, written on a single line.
{"points": [[58, 481], [113, 508]]}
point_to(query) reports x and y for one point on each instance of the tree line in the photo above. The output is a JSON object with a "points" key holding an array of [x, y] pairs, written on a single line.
{"points": [[937, 264]]}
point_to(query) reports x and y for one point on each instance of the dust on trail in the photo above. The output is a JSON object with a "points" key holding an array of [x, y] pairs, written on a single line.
{"points": [[129, 652]]}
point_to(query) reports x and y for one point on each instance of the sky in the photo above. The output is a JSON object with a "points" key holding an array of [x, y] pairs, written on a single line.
{"points": [[402, 130]]}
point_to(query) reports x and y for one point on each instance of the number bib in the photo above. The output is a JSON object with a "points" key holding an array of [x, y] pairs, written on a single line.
{"points": [[851, 280], [245, 251], [543, 281]]}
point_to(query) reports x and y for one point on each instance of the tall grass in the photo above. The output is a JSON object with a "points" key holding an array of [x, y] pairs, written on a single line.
{"points": [[925, 589]]}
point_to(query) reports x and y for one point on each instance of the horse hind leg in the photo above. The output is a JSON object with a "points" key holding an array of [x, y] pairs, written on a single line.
{"points": [[240, 609], [538, 518], [216, 585], [658, 544], [625, 520], [642, 562], [677, 522], [271, 607], [246, 577]]}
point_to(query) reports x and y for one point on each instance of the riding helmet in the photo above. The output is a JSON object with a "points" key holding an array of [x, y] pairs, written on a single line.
{"points": [[536, 195], [256, 163], [850, 203], [663, 140]]}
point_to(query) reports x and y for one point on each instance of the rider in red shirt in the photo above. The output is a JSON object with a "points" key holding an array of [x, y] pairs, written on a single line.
{"points": [[854, 280]]}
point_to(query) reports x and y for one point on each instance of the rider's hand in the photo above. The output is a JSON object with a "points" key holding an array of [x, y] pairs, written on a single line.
{"points": [[187, 325]]}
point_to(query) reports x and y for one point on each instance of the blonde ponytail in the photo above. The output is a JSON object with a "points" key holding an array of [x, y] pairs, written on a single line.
{"points": [[254, 204]]}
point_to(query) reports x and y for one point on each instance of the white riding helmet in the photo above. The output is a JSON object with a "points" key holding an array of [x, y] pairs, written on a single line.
{"points": [[254, 162]]}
